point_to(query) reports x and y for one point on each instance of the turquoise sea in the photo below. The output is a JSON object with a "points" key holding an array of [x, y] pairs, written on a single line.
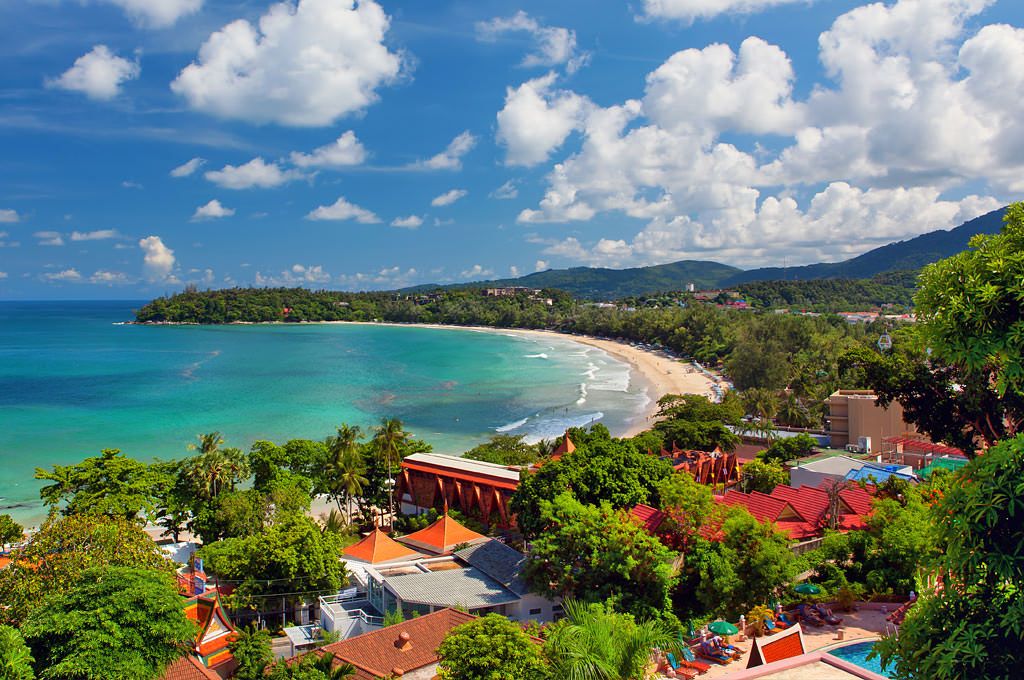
{"points": [[74, 381]]}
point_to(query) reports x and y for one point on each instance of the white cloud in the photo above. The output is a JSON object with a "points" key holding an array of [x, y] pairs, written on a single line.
{"points": [[305, 64], [451, 157], [506, 191], [131, 184], [49, 238], [410, 222], [513, 270], [540, 266], [211, 211], [157, 13], [476, 272], [255, 173], [109, 278], [188, 167], [70, 275], [9, 216], [98, 235], [343, 152], [448, 197], [158, 260], [97, 74], [536, 120], [553, 45], [296, 276], [3, 275], [343, 210], [388, 277], [689, 10], [918, 111]]}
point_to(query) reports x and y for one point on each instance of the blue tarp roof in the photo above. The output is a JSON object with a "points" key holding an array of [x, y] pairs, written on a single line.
{"points": [[878, 473]]}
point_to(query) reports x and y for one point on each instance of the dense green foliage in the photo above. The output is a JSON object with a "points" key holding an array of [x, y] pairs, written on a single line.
{"points": [[15, 656], [785, 449], [505, 449], [490, 648], [594, 642], [972, 624], [10, 531], [833, 295], [693, 422], [55, 557], [763, 476], [113, 622], [601, 469], [594, 552], [109, 484], [252, 651]]}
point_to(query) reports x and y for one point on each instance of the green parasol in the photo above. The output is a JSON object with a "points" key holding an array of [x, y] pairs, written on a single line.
{"points": [[723, 628], [808, 589]]}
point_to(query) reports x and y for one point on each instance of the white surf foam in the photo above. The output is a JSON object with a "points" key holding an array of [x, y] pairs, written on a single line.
{"points": [[542, 355], [512, 426]]}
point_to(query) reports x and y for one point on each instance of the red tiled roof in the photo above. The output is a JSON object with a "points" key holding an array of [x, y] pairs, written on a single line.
{"points": [[801, 512], [380, 653], [188, 668], [782, 647], [649, 518], [441, 536], [763, 508], [919, 446], [858, 499], [378, 547], [811, 504], [565, 447]]}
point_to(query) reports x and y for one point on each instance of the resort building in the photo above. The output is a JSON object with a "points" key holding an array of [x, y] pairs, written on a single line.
{"points": [[714, 467], [856, 418], [918, 452], [803, 513], [430, 480], [838, 468], [407, 650]]}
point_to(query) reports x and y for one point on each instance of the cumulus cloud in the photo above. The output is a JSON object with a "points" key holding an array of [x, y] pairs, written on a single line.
{"points": [[97, 235], [304, 64], [451, 157], [255, 173], [387, 277], [157, 13], [158, 260], [476, 272], [49, 238], [3, 275], [188, 167], [537, 119], [506, 191], [410, 222], [97, 74], [342, 210], [448, 197], [689, 10], [540, 266], [211, 211], [917, 110], [9, 216], [68, 275], [553, 45], [298, 275], [343, 152], [109, 278]]}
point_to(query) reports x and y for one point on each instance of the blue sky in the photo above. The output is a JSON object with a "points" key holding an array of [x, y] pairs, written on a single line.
{"points": [[151, 143]]}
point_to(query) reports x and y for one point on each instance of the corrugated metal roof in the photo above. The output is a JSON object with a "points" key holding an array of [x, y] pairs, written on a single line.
{"points": [[499, 561], [470, 588]]}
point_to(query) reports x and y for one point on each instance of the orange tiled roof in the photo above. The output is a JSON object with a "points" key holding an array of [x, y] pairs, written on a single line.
{"points": [[215, 629], [188, 668], [382, 652], [565, 447], [650, 518], [378, 547], [441, 536], [784, 647]]}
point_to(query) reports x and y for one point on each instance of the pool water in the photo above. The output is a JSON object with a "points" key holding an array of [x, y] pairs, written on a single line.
{"points": [[857, 654]]}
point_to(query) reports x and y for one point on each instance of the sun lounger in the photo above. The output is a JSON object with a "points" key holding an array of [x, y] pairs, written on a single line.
{"points": [[719, 657], [690, 660], [810, 616], [679, 668], [786, 619], [826, 613]]}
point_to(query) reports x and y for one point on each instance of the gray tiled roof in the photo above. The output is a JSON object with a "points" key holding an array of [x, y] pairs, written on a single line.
{"points": [[470, 588], [499, 561]]}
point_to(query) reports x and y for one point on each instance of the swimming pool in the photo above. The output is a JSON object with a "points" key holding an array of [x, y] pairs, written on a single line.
{"points": [[857, 654]]}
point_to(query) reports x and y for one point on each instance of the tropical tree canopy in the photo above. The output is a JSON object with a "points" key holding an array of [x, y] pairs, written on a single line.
{"points": [[15, 656], [490, 648], [108, 484]]}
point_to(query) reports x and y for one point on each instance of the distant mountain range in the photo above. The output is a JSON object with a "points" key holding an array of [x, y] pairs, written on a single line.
{"points": [[601, 283]]}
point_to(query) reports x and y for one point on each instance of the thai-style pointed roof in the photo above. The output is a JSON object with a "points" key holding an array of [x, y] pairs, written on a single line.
{"points": [[378, 547], [565, 447], [215, 629], [441, 536]]}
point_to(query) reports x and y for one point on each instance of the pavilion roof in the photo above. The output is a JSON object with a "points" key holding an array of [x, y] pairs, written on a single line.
{"points": [[378, 547], [442, 536]]}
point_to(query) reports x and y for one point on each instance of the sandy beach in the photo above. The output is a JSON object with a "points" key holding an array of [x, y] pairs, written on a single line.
{"points": [[658, 372]]}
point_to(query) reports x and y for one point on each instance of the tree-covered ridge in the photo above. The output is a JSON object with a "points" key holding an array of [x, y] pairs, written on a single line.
{"points": [[833, 295]]}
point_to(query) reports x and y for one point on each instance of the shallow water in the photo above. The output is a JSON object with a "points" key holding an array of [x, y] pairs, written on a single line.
{"points": [[72, 382]]}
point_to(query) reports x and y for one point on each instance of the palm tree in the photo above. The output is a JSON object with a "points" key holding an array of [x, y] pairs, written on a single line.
{"points": [[325, 664], [596, 643], [345, 469], [545, 447], [208, 443], [212, 471], [389, 440]]}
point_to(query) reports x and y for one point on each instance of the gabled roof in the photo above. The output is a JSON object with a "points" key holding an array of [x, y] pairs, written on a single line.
{"points": [[650, 518], [441, 536], [188, 668], [763, 508], [384, 652], [215, 629], [858, 499], [378, 547], [783, 645], [811, 504]]}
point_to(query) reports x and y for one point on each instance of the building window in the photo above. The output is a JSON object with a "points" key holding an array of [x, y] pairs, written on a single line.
{"points": [[536, 612]]}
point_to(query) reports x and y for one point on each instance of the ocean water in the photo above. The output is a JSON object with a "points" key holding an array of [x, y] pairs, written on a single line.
{"points": [[74, 381]]}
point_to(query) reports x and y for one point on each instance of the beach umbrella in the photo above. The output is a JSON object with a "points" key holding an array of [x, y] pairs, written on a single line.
{"points": [[808, 589], [723, 628]]}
